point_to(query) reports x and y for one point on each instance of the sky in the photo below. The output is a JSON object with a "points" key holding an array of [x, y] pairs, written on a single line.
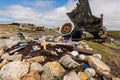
{"points": [[52, 13]]}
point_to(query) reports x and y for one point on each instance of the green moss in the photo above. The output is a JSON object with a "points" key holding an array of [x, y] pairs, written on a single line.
{"points": [[115, 34], [111, 45], [107, 50]]}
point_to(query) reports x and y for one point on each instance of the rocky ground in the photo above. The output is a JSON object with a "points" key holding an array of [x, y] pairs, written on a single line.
{"points": [[53, 58]]}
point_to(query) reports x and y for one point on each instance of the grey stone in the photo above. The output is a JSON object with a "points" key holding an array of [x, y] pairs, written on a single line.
{"points": [[115, 78], [36, 59], [67, 61], [8, 43], [97, 56], [100, 67], [82, 57], [16, 57], [36, 66], [90, 72], [91, 78], [53, 71], [71, 76], [14, 70]]}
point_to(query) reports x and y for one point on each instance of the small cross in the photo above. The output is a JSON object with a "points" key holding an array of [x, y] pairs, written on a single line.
{"points": [[44, 43]]}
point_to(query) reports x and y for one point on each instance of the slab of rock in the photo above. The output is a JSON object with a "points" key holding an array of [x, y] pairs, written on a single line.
{"points": [[16, 57], [3, 62], [67, 61], [14, 70], [8, 43], [82, 76], [32, 75], [71, 76], [53, 71], [2, 52], [36, 66], [12, 41], [91, 78], [115, 78], [90, 72], [36, 59], [100, 67]]}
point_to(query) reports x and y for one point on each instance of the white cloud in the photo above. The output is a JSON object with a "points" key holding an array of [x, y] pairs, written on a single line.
{"points": [[57, 16], [43, 3], [18, 12], [40, 4], [110, 10]]}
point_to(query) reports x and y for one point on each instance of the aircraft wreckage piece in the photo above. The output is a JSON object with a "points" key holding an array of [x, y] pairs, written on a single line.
{"points": [[83, 20]]}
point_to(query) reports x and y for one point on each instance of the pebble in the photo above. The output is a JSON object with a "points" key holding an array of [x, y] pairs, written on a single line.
{"points": [[90, 72], [82, 57], [74, 53], [97, 56]]}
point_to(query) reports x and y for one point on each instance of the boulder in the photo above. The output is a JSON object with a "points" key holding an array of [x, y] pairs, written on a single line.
{"points": [[100, 67], [82, 76], [36, 66], [71, 76], [90, 72], [2, 44], [3, 63], [82, 57], [16, 57], [2, 52], [115, 78], [32, 75], [53, 71], [12, 41], [14, 70], [91, 78], [8, 43], [67, 61], [36, 59]]}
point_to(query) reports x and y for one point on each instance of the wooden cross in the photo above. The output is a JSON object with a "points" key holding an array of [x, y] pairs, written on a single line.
{"points": [[44, 43]]}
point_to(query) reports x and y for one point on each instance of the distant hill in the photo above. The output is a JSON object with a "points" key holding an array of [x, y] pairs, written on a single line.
{"points": [[114, 34]]}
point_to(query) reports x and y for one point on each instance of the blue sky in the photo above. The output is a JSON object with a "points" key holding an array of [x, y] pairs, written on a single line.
{"points": [[52, 13], [5, 3], [10, 2]]}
